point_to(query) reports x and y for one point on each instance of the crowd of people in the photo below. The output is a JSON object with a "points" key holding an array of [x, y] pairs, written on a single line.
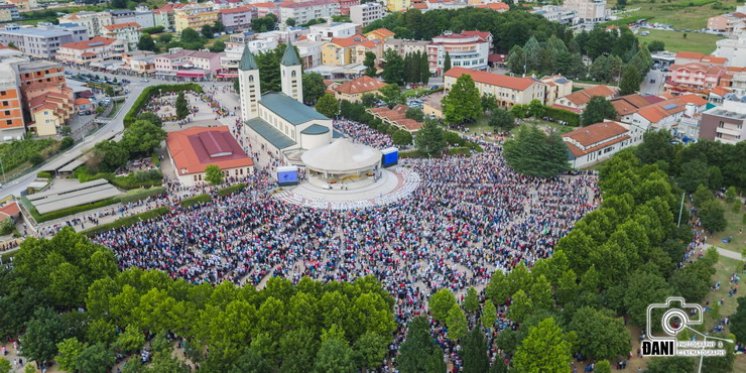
{"points": [[468, 217], [363, 134]]}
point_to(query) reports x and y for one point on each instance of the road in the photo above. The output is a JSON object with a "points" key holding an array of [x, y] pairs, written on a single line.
{"points": [[656, 88]]}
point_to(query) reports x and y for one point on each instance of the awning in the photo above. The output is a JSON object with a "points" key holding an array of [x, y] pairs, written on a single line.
{"points": [[190, 74], [227, 75]]}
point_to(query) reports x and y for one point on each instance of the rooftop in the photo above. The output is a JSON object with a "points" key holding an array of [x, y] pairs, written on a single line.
{"points": [[499, 80], [269, 133], [193, 149], [96, 42], [289, 109], [362, 84], [582, 97]]}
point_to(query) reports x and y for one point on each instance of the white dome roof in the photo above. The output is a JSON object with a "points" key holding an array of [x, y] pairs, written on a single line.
{"points": [[341, 156]]}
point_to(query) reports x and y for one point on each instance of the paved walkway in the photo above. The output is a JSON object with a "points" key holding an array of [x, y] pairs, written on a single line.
{"points": [[725, 252]]}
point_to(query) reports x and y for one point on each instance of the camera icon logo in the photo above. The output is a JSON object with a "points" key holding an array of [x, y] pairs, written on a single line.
{"points": [[676, 317]]}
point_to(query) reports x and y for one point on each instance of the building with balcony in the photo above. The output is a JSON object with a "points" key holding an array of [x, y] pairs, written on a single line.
{"points": [[128, 33], [94, 22], [303, 12], [405, 46], [726, 124], [186, 64], [398, 5], [508, 90], [194, 16], [665, 115], [468, 49], [140, 62], [330, 30], [556, 13], [350, 50], [353, 90], [237, 19], [365, 14], [588, 11], [695, 77], [97, 50], [346, 5], [12, 124], [44, 40], [164, 16], [730, 23], [47, 100]]}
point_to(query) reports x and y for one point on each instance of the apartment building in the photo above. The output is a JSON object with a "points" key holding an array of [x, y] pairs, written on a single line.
{"points": [[48, 101], [329, 30], [194, 16], [508, 90], [730, 23], [24, 5], [365, 14], [94, 22], [468, 49], [140, 62], [726, 124], [405, 46], [577, 101], [97, 50], [588, 11], [12, 124], [164, 16], [308, 10], [237, 19], [141, 15], [666, 114], [187, 64], [9, 12], [694, 78], [351, 50], [557, 86], [398, 5], [353, 90], [128, 33], [309, 52], [44, 40]]}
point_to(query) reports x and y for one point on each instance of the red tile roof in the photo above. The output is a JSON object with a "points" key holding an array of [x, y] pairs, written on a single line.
{"points": [[582, 97], [382, 33], [720, 91], [240, 9], [193, 149], [498, 7], [82, 101], [118, 26], [362, 84], [353, 40], [595, 136], [96, 42], [519, 84]]}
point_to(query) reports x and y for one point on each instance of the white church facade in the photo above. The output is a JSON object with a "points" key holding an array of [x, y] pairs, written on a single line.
{"points": [[280, 123]]}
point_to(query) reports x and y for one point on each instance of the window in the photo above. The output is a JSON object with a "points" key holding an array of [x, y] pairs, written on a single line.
{"points": [[9, 122], [7, 112]]}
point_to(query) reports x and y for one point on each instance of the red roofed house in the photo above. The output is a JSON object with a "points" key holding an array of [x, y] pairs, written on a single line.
{"points": [[592, 144], [128, 33], [84, 106], [192, 150], [577, 101], [694, 77], [303, 12], [666, 114], [629, 104], [350, 50], [396, 117], [498, 7], [237, 19], [508, 90], [98, 49], [353, 90], [9, 210], [469, 49], [683, 58], [382, 34]]}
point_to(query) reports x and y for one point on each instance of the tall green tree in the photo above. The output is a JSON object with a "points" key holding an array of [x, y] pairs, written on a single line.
{"points": [[334, 356], [474, 352], [328, 105], [631, 80], [600, 335], [182, 108], [738, 321], [419, 353], [214, 175], [391, 95], [441, 303], [456, 323], [142, 137], [393, 69], [471, 301], [462, 104], [430, 140], [370, 64], [489, 315], [146, 43], [447, 62], [712, 216], [502, 120], [313, 87], [545, 349], [69, 350], [95, 359], [531, 152], [597, 110]]}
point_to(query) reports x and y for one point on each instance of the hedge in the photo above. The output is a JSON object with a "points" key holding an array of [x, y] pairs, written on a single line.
{"points": [[45, 174], [141, 194], [201, 198], [128, 220], [231, 189], [571, 118], [138, 179], [148, 92]]}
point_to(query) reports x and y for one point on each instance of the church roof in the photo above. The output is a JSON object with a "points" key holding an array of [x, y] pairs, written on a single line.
{"points": [[248, 62], [269, 133], [290, 58], [289, 109]]}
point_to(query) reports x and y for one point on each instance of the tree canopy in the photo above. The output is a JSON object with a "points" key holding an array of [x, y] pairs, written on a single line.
{"points": [[532, 152]]}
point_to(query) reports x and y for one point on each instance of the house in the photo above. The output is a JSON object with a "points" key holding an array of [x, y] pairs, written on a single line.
{"points": [[683, 58], [128, 33], [303, 12], [665, 114], [165, 15], [97, 50], [237, 19], [597, 142], [557, 86], [84, 106], [187, 64], [725, 124], [365, 14], [193, 149], [44, 40], [577, 101], [353, 90], [330, 30], [350, 50], [629, 104], [12, 124], [24, 5], [398, 5], [396, 117], [346, 5], [468, 49], [383, 34], [402, 47], [588, 11], [729, 23], [140, 62], [508, 90], [94, 22], [194, 16]]}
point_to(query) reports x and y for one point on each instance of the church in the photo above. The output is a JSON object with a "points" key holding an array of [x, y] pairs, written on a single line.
{"points": [[280, 123]]}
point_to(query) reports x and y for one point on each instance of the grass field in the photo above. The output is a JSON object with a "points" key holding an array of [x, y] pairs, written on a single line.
{"points": [[675, 41], [733, 229], [681, 14]]}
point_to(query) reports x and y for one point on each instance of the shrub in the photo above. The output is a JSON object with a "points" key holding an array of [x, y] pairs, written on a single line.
{"points": [[198, 199], [461, 150], [231, 189], [127, 221], [563, 115], [149, 92], [45, 174]]}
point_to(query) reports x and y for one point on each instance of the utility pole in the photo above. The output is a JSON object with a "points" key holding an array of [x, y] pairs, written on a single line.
{"points": [[681, 208]]}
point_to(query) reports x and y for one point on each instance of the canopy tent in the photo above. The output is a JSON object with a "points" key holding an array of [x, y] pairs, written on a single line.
{"points": [[342, 156]]}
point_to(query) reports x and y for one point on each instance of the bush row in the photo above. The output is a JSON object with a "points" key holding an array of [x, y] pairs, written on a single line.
{"points": [[127, 221], [571, 118], [149, 92], [200, 198], [138, 179], [231, 189]]}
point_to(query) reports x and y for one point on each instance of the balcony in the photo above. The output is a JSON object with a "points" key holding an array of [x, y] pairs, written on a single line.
{"points": [[728, 130]]}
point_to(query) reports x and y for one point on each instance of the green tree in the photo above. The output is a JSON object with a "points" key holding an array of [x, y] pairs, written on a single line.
{"points": [[5, 365], [600, 335], [670, 364], [656, 145], [712, 216], [536, 109], [531, 152], [693, 174], [370, 64], [43, 332], [151, 117], [731, 194], [146, 43], [416, 114], [441, 303], [603, 366], [69, 350], [738, 321], [545, 349], [521, 306], [447, 62], [391, 95], [656, 46], [370, 350], [430, 140], [328, 105], [462, 104], [471, 301], [218, 46], [643, 289], [489, 103], [502, 120], [213, 175], [474, 352], [456, 323], [597, 110], [95, 359], [290, 22], [419, 353], [131, 340], [631, 79], [108, 156], [401, 137], [489, 314], [393, 69], [142, 137], [313, 87], [516, 60], [334, 356], [182, 108]]}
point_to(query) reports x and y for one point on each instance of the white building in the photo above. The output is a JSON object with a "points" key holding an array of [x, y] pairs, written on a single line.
{"points": [[94, 22], [128, 33], [365, 14], [310, 52], [469, 49], [233, 53], [280, 123], [597, 142], [329, 30], [588, 11], [303, 12], [556, 13], [734, 49]]}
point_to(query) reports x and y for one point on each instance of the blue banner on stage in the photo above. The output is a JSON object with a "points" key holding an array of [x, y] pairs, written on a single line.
{"points": [[287, 175], [390, 157]]}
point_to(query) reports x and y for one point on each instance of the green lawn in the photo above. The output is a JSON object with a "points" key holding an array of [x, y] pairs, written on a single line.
{"points": [[724, 269], [675, 41], [681, 14], [735, 224]]}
